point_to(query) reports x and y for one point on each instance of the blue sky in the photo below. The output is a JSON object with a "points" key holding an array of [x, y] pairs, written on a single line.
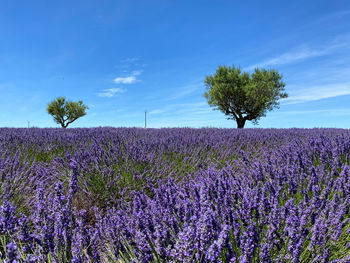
{"points": [[122, 57]]}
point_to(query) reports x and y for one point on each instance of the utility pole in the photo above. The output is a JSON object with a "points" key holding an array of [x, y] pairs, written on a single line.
{"points": [[28, 123], [145, 119]]}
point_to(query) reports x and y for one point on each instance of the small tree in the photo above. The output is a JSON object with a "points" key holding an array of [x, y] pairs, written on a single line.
{"points": [[65, 112], [244, 97]]}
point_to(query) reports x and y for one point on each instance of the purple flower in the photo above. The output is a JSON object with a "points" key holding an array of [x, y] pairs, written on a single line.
{"points": [[8, 219], [12, 253], [73, 182]]}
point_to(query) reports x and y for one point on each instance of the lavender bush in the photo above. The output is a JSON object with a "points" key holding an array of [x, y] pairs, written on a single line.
{"points": [[174, 195]]}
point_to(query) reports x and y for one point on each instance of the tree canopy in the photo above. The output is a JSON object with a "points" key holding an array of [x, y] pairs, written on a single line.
{"points": [[65, 112], [243, 96]]}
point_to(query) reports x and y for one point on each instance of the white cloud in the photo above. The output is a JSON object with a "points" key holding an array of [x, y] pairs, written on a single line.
{"points": [[130, 60], [183, 109], [327, 112], [125, 80], [185, 91], [129, 79], [110, 92], [304, 52], [192, 108], [318, 93], [136, 72], [290, 57]]}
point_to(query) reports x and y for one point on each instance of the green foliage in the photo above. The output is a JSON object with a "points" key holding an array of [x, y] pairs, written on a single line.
{"points": [[242, 96], [65, 112]]}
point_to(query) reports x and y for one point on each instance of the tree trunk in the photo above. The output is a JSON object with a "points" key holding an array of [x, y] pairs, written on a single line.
{"points": [[240, 123]]}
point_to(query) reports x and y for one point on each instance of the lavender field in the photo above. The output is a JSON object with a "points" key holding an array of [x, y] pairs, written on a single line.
{"points": [[174, 195]]}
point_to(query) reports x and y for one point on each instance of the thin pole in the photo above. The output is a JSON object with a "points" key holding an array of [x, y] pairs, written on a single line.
{"points": [[28, 123], [145, 119]]}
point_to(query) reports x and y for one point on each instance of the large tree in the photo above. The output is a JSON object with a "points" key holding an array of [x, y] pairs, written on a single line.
{"points": [[65, 112], [243, 96]]}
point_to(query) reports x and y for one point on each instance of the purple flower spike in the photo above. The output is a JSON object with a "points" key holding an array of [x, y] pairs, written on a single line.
{"points": [[12, 253]]}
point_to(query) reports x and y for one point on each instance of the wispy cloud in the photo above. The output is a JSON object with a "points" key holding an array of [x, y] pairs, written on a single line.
{"points": [[192, 108], [136, 72], [290, 57], [131, 79], [304, 52], [185, 91], [125, 80], [318, 93], [111, 92], [327, 112], [130, 60], [183, 109]]}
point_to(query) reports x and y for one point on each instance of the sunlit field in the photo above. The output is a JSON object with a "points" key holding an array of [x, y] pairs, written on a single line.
{"points": [[174, 195]]}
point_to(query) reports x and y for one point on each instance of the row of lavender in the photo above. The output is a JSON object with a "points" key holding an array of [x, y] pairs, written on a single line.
{"points": [[174, 195]]}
